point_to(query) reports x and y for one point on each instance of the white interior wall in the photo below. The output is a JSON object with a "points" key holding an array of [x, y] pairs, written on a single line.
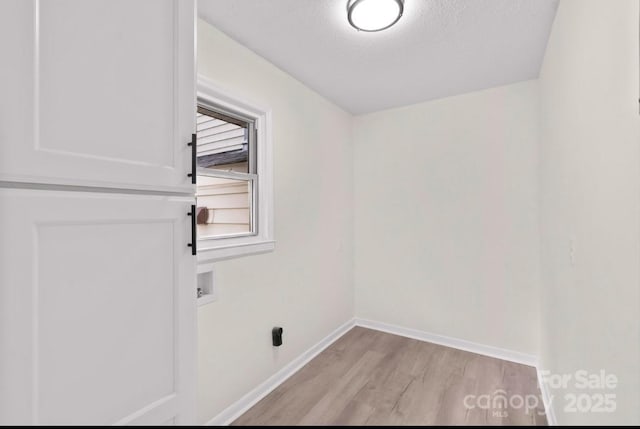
{"points": [[447, 196], [304, 286], [590, 210], [446, 232]]}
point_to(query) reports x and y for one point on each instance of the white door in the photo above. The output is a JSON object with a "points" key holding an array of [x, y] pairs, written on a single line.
{"points": [[97, 309], [97, 92]]}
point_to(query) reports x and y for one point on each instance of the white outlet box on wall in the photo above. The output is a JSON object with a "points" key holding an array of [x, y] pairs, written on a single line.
{"points": [[207, 292]]}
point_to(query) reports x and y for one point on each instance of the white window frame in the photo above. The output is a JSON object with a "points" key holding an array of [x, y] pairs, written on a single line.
{"points": [[215, 249]]}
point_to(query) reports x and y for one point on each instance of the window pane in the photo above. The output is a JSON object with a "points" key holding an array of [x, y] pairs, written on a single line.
{"points": [[223, 142], [224, 206]]}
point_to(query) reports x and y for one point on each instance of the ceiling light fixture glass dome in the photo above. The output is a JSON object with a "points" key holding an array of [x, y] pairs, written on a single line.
{"points": [[374, 15]]}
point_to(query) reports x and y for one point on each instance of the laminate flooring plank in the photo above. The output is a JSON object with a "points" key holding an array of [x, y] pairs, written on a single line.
{"points": [[335, 400], [369, 377], [300, 393]]}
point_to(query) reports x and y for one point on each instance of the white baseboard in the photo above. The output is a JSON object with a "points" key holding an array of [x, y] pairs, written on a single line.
{"points": [[235, 410], [547, 400], [456, 343], [239, 407]]}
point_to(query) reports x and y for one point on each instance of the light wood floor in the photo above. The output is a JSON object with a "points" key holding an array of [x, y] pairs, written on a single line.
{"points": [[373, 378]]}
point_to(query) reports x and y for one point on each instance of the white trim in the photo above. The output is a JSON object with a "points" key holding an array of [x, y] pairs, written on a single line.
{"points": [[547, 399], [456, 343], [26, 181], [214, 95], [469, 346], [235, 410], [231, 251]]}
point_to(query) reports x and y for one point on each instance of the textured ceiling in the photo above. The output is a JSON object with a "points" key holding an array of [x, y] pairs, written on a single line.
{"points": [[438, 48]]}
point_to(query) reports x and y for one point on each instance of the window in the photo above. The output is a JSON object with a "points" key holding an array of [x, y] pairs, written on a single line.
{"points": [[227, 174], [234, 177]]}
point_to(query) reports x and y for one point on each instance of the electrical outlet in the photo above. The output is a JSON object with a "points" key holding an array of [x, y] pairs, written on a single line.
{"points": [[276, 336]]}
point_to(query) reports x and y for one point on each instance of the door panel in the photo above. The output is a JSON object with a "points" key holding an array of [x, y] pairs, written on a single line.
{"points": [[99, 92], [97, 308]]}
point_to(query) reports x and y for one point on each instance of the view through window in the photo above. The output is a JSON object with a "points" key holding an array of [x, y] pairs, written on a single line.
{"points": [[227, 178]]}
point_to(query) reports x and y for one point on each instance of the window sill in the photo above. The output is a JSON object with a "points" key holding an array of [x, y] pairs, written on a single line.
{"points": [[222, 252]]}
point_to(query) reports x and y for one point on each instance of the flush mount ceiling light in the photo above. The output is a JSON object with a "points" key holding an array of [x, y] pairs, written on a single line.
{"points": [[374, 15]]}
